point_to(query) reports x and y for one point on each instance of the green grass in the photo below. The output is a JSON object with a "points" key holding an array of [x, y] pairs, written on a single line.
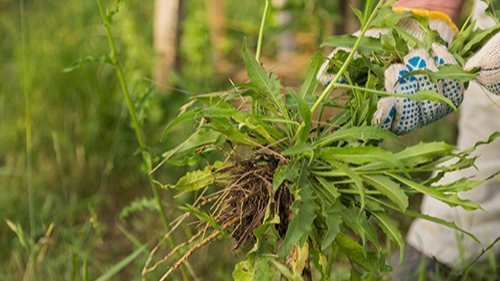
{"points": [[85, 163]]}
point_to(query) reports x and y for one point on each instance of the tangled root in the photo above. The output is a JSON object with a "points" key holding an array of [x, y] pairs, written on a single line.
{"points": [[251, 193]]}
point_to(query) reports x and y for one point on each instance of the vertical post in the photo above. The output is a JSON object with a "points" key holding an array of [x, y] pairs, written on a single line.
{"points": [[166, 21]]}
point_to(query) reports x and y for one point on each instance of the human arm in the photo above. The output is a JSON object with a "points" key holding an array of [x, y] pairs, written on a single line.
{"points": [[450, 7]]}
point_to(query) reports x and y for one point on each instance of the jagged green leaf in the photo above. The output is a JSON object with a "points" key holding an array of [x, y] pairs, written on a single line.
{"points": [[391, 229], [139, 204], [362, 133], [198, 139], [367, 47], [356, 254], [362, 155], [333, 220], [389, 188], [308, 87], [305, 209], [264, 84], [451, 199], [447, 71], [288, 172], [188, 115], [423, 153], [305, 114]]}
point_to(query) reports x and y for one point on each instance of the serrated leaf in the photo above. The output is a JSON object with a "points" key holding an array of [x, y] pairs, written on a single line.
{"points": [[449, 224], [263, 83], [305, 212], [392, 231], [328, 186], [105, 59], [423, 152], [202, 216], [189, 115], [198, 139], [288, 172], [358, 183], [285, 271], [388, 188], [333, 220], [360, 225], [386, 18], [200, 178], [490, 139], [367, 46], [231, 133], [478, 39], [139, 204], [447, 71], [305, 114], [362, 155], [363, 133], [299, 148], [459, 40], [451, 199], [356, 254], [308, 87]]}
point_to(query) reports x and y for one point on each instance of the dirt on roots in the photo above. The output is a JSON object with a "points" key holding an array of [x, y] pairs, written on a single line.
{"points": [[250, 193]]}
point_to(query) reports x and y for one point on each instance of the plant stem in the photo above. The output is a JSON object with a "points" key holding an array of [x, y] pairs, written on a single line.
{"points": [[343, 69], [261, 31], [27, 122], [145, 154]]}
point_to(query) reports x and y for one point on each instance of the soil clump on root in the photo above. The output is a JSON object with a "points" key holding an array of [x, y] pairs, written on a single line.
{"points": [[250, 194]]}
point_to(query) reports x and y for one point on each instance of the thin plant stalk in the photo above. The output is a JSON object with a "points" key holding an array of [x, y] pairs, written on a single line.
{"points": [[343, 69], [145, 154], [261, 31], [27, 122]]}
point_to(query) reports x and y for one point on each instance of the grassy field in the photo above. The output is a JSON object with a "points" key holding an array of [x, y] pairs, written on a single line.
{"points": [[75, 200]]}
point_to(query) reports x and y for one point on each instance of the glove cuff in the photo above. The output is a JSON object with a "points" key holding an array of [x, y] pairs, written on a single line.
{"points": [[434, 15]]}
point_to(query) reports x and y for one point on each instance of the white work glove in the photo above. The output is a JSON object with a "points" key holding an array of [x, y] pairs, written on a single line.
{"points": [[488, 60], [402, 115]]}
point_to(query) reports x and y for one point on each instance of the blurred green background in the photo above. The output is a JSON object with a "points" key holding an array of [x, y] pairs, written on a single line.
{"points": [[91, 202]]}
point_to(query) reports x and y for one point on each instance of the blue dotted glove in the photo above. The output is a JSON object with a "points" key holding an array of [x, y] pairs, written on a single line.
{"points": [[402, 115]]}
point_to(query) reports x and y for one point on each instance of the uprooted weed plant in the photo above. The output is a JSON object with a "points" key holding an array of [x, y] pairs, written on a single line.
{"points": [[296, 191]]}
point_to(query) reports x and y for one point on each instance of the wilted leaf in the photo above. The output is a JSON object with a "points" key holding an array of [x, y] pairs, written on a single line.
{"points": [[258, 270], [200, 178]]}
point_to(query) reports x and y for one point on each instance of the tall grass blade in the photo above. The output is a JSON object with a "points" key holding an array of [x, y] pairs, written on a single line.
{"points": [[120, 265]]}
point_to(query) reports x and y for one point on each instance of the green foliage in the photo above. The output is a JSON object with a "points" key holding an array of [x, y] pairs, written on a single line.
{"points": [[340, 181]]}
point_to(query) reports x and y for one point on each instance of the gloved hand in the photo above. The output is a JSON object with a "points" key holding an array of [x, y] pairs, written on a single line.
{"points": [[488, 60], [401, 115]]}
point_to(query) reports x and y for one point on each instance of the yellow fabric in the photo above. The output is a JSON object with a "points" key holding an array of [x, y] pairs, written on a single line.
{"points": [[436, 15]]}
